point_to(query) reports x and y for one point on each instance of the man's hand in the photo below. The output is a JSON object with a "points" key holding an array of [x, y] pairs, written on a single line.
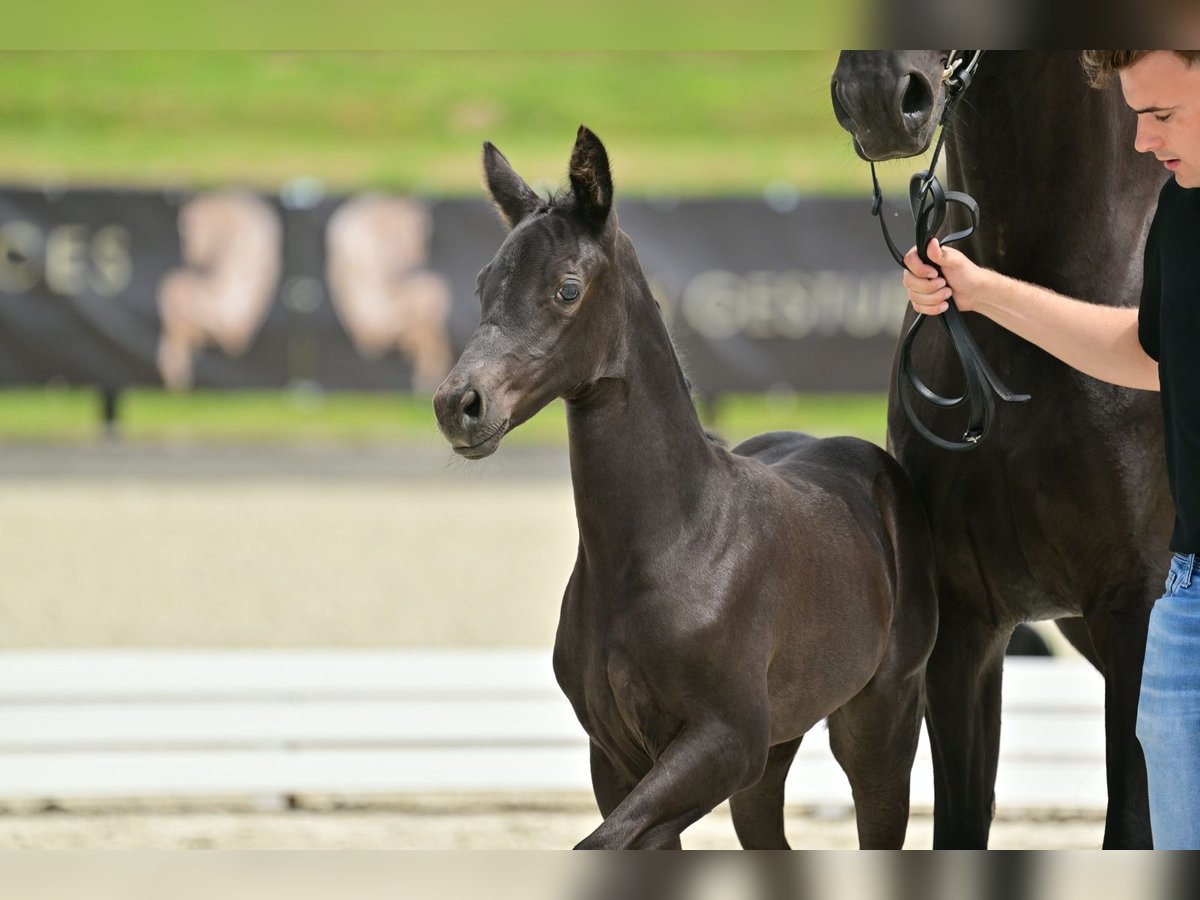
{"points": [[928, 292]]}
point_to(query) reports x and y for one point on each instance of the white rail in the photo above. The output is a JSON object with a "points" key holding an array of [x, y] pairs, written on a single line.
{"points": [[122, 724]]}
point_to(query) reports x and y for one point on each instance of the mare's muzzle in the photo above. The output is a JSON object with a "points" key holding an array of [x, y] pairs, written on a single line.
{"points": [[888, 109]]}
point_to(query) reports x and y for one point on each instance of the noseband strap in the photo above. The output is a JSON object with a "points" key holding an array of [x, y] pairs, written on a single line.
{"points": [[929, 202]]}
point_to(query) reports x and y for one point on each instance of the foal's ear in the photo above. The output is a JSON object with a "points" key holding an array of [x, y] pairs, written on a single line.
{"points": [[512, 195], [591, 180]]}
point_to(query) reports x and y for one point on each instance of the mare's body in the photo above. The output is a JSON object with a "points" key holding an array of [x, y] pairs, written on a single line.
{"points": [[1064, 510]]}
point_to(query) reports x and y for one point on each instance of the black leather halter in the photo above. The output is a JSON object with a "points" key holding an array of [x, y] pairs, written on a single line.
{"points": [[929, 201]]}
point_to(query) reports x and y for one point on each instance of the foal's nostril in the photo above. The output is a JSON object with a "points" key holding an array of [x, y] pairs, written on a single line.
{"points": [[917, 97], [471, 404]]}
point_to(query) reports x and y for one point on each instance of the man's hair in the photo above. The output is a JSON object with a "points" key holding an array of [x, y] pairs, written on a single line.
{"points": [[1099, 65]]}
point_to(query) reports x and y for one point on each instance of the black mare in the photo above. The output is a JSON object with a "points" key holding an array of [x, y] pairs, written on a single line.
{"points": [[722, 603], [1063, 511]]}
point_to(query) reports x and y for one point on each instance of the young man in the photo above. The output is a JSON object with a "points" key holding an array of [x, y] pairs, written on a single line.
{"points": [[1155, 347]]}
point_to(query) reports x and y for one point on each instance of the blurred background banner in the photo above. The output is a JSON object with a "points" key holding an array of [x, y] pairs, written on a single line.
{"points": [[375, 291]]}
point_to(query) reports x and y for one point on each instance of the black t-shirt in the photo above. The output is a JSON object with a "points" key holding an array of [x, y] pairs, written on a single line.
{"points": [[1169, 330]]}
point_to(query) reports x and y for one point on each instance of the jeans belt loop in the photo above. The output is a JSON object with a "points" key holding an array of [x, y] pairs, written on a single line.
{"points": [[1186, 581]]}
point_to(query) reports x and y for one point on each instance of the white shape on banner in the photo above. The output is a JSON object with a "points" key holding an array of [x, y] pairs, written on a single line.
{"points": [[232, 249], [73, 260], [377, 250]]}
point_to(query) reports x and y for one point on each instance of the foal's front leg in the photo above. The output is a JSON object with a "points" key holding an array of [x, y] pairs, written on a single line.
{"points": [[705, 764]]}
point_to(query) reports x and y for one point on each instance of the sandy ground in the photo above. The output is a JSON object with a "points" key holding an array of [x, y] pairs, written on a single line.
{"points": [[343, 556], [228, 547], [464, 824]]}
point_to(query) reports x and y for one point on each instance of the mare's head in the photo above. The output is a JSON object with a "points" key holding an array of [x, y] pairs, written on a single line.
{"points": [[889, 100], [550, 325]]}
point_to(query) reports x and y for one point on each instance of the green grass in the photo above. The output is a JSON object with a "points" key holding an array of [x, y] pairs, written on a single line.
{"points": [[677, 123], [56, 415], [469, 24]]}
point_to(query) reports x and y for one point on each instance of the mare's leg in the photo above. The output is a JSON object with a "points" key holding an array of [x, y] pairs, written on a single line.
{"points": [[706, 763], [1118, 631], [1075, 630], [963, 685], [874, 738], [758, 810]]}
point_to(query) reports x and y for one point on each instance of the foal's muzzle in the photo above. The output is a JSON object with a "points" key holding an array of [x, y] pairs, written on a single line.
{"points": [[467, 419]]}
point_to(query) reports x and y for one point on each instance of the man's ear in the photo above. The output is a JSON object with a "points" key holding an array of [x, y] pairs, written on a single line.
{"points": [[591, 179], [512, 196]]}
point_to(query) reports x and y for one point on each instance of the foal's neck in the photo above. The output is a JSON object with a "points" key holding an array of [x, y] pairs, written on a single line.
{"points": [[639, 455]]}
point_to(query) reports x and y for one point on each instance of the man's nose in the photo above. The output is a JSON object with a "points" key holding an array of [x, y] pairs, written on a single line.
{"points": [[1147, 137]]}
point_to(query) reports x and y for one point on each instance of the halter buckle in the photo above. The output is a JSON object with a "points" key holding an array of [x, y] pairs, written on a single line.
{"points": [[959, 69], [952, 64]]}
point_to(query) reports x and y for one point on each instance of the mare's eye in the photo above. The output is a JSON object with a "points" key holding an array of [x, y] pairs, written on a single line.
{"points": [[569, 292]]}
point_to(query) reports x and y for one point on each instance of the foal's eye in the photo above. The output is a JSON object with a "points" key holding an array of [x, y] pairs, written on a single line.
{"points": [[569, 292]]}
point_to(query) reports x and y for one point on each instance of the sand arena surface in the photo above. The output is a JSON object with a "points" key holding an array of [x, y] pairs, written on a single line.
{"points": [[438, 823], [242, 560]]}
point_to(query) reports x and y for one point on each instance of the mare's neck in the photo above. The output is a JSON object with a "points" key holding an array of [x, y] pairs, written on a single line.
{"points": [[1064, 198], [639, 455]]}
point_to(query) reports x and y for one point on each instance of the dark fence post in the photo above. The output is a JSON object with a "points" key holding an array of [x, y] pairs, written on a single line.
{"points": [[109, 407]]}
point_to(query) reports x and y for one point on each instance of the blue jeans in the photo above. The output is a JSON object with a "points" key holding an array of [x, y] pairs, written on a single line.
{"points": [[1168, 721]]}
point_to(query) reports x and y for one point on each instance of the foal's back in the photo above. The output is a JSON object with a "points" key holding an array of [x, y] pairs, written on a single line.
{"points": [[872, 484]]}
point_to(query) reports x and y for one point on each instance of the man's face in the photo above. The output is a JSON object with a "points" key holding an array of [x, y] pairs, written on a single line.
{"points": [[1164, 92]]}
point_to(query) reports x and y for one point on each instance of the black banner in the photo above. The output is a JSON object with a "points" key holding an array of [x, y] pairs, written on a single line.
{"points": [[229, 289]]}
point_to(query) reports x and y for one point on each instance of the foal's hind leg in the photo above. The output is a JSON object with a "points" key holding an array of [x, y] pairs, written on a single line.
{"points": [[607, 784], [758, 810], [610, 788], [874, 739]]}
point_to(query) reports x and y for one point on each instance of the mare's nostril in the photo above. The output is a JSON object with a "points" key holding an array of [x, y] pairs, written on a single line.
{"points": [[917, 97], [471, 404]]}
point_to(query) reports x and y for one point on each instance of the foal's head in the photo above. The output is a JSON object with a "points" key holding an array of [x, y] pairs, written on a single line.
{"points": [[550, 322]]}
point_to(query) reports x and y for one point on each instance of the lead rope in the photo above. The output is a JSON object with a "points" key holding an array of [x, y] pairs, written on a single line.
{"points": [[929, 201]]}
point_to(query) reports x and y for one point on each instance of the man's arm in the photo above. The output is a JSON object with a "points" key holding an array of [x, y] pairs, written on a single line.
{"points": [[1101, 341]]}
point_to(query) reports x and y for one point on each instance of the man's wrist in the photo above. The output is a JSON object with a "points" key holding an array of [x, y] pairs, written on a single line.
{"points": [[987, 293]]}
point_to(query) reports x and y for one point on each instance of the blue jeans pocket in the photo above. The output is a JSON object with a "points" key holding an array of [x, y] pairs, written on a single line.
{"points": [[1180, 575]]}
